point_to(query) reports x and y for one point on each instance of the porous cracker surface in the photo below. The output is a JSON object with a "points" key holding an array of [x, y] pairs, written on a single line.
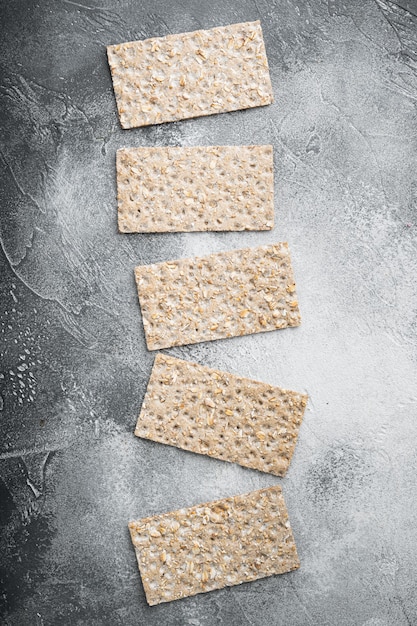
{"points": [[217, 296], [228, 417], [214, 545], [190, 74], [179, 189]]}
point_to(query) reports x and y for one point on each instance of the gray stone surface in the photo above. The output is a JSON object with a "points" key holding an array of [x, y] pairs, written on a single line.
{"points": [[74, 363]]}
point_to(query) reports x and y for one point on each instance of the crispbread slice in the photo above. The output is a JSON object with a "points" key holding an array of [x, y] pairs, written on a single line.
{"points": [[214, 545], [190, 74], [221, 295], [173, 189], [225, 416]]}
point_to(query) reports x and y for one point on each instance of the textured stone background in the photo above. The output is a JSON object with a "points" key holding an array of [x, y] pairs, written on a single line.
{"points": [[74, 363]]}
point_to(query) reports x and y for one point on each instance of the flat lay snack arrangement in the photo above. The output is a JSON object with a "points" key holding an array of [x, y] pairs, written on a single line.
{"points": [[186, 301], [208, 313]]}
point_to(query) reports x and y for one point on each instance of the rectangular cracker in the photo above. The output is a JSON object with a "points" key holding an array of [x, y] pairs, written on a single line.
{"points": [[221, 295], [176, 77], [214, 545], [174, 189], [228, 417]]}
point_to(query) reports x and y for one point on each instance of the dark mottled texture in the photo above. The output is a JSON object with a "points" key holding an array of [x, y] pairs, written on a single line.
{"points": [[74, 365]]}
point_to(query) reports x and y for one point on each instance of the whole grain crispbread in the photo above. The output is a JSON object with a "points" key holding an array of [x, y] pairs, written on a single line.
{"points": [[182, 189], [214, 545], [228, 417], [175, 77], [221, 295]]}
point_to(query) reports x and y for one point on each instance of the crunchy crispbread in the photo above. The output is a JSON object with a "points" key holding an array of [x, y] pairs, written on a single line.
{"points": [[190, 74], [211, 412], [214, 545], [221, 295], [180, 189]]}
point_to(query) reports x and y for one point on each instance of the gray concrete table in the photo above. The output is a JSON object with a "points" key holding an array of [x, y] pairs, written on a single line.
{"points": [[74, 363]]}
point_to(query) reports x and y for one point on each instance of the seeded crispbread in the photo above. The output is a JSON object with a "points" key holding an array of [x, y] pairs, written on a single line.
{"points": [[190, 74], [175, 189], [221, 295], [228, 417], [214, 545]]}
